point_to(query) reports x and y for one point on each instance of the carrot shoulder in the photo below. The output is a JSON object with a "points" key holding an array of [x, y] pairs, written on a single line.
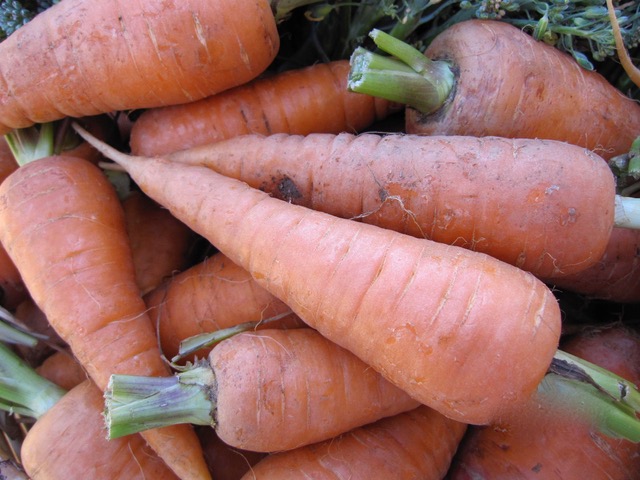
{"points": [[103, 57], [439, 321], [83, 278]]}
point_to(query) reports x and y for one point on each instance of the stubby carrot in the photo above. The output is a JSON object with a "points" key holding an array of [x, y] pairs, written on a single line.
{"points": [[460, 331], [416, 444], [82, 58], [83, 279], [486, 77], [211, 295], [312, 99], [544, 206], [262, 391]]}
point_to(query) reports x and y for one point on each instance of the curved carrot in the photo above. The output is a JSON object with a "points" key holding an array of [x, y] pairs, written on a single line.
{"points": [[424, 314], [64, 61], [415, 444], [544, 206], [263, 391], [212, 295], [83, 279], [501, 81], [312, 99], [623, 55], [546, 443]]}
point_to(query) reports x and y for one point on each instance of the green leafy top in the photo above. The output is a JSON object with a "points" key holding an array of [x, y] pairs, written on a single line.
{"points": [[16, 13]]}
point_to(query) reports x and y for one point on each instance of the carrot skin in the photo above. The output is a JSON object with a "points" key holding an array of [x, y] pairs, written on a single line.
{"points": [[417, 311], [510, 85], [62, 369], [416, 444], [308, 100], [518, 200], [161, 52], [69, 442], [83, 279]]}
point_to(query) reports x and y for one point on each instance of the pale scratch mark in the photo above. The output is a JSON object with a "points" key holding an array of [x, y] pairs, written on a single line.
{"points": [[201, 36]]}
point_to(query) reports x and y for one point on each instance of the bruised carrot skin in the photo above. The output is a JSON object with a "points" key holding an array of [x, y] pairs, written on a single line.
{"points": [[464, 191], [62, 369], [416, 444], [83, 279], [308, 100], [209, 296], [162, 52], [159, 242], [69, 442], [510, 85], [543, 443], [420, 312]]}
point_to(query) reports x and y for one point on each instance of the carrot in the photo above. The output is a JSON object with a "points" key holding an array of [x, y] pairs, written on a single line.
{"points": [[160, 244], [623, 55], [79, 58], [416, 444], [62, 369], [83, 279], [546, 443], [225, 462], [212, 295], [312, 99], [517, 200], [424, 314], [484, 77]]}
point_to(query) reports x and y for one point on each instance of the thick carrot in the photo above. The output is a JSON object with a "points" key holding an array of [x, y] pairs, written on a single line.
{"points": [[542, 442], [62, 369], [485, 77], [460, 331], [83, 279], [544, 206], [80, 58], [418, 444], [308, 100], [263, 391], [212, 295]]}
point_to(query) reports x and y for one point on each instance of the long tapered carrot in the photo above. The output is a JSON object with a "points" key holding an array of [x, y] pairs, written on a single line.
{"points": [[544, 206], [82, 58], [312, 99], [486, 77], [83, 279], [458, 330], [416, 444]]}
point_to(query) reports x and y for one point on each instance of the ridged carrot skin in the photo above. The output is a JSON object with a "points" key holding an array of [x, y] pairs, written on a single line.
{"points": [[448, 325], [69, 442], [418, 444], [510, 85], [82, 58], [308, 100], [545, 206], [64, 228]]}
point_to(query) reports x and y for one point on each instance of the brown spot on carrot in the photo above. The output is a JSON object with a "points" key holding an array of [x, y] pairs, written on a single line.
{"points": [[536, 468], [283, 188]]}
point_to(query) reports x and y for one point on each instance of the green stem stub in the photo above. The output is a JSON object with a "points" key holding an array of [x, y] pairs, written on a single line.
{"points": [[407, 77], [136, 403]]}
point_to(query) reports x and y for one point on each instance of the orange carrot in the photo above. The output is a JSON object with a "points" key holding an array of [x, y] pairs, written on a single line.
{"points": [[520, 200], [62, 369], [159, 242], [542, 442], [262, 391], [486, 77], [460, 331], [623, 55], [225, 462], [411, 445], [80, 58], [312, 99], [210, 296], [83, 279]]}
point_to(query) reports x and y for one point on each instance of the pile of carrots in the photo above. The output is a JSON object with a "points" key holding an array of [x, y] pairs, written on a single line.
{"points": [[357, 269]]}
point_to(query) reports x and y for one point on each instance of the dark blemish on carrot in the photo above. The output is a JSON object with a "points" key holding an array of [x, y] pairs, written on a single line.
{"points": [[283, 188], [383, 194], [536, 468]]}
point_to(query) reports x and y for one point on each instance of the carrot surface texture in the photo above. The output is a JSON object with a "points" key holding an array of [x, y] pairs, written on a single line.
{"points": [[460, 331], [262, 391], [485, 77], [82, 58], [545, 206], [83, 279], [308, 100], [411, 445]]}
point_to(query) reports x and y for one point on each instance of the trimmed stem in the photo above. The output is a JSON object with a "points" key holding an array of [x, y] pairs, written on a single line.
{"points": [[11, 332], [283, 8], [135, 403], [408, 77], [627, 212]]}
